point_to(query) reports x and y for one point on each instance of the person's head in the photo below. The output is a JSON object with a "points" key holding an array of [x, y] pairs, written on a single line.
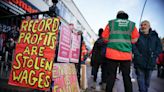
{"points": [[145, 26], [55, 1], [100, 32], [79, 32], [122, 15]]}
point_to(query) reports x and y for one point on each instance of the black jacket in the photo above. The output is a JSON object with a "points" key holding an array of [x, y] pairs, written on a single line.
{"points": [[146, 50], [97, 51]]}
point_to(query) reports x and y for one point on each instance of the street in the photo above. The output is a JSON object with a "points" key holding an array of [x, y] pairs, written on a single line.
{"points": [[156, 84]]}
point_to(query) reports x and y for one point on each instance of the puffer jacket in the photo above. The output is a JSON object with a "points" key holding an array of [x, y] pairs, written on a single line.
{"points": [[146, 50]]}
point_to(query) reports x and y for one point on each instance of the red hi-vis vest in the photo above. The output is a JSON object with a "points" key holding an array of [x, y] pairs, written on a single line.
{"points": [[83, 52]]}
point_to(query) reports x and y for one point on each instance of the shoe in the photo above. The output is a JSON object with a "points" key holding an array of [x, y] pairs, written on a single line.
{"points": [[133, 80], [100, 83]]}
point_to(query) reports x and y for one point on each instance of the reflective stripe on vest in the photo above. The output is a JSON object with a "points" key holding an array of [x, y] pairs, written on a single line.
{"points": [[120, 32], [120, 40]]}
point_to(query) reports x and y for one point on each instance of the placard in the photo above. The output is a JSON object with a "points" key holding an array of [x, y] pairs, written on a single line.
{"points": [[64, 78], [34, 54]]}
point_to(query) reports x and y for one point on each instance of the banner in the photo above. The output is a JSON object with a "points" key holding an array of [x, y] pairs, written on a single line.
{"points": [[75, 48], [64, 43], [34, 54], [64, 78]]}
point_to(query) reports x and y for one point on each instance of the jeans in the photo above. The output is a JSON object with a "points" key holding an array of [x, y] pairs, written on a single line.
{"points": [[112, 71], [143, 79]]}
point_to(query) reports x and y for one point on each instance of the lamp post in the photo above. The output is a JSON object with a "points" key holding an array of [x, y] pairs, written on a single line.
{"points": [[142, 12]]}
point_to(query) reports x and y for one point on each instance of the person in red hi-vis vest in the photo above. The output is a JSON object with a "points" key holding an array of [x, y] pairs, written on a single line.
{"points": [[84, 53], [119, 33]]}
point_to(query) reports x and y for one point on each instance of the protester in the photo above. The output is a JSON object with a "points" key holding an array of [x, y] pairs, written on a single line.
{"points": [[119, 34], [78, 65], [97, 59], [146, 51], [160, 64], [84, 53]]}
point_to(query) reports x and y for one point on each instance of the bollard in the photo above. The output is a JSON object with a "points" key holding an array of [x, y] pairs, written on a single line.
{"points": [[83, 82]]}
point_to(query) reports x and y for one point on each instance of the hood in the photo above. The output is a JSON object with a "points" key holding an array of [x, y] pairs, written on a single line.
{"points": [[151, 32]]}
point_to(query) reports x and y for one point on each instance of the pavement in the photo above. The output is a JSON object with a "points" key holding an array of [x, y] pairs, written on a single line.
{"points": [[156, 84]]}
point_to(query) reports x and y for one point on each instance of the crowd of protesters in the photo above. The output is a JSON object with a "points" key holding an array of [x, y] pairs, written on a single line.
{"points": [[124, 45]]}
